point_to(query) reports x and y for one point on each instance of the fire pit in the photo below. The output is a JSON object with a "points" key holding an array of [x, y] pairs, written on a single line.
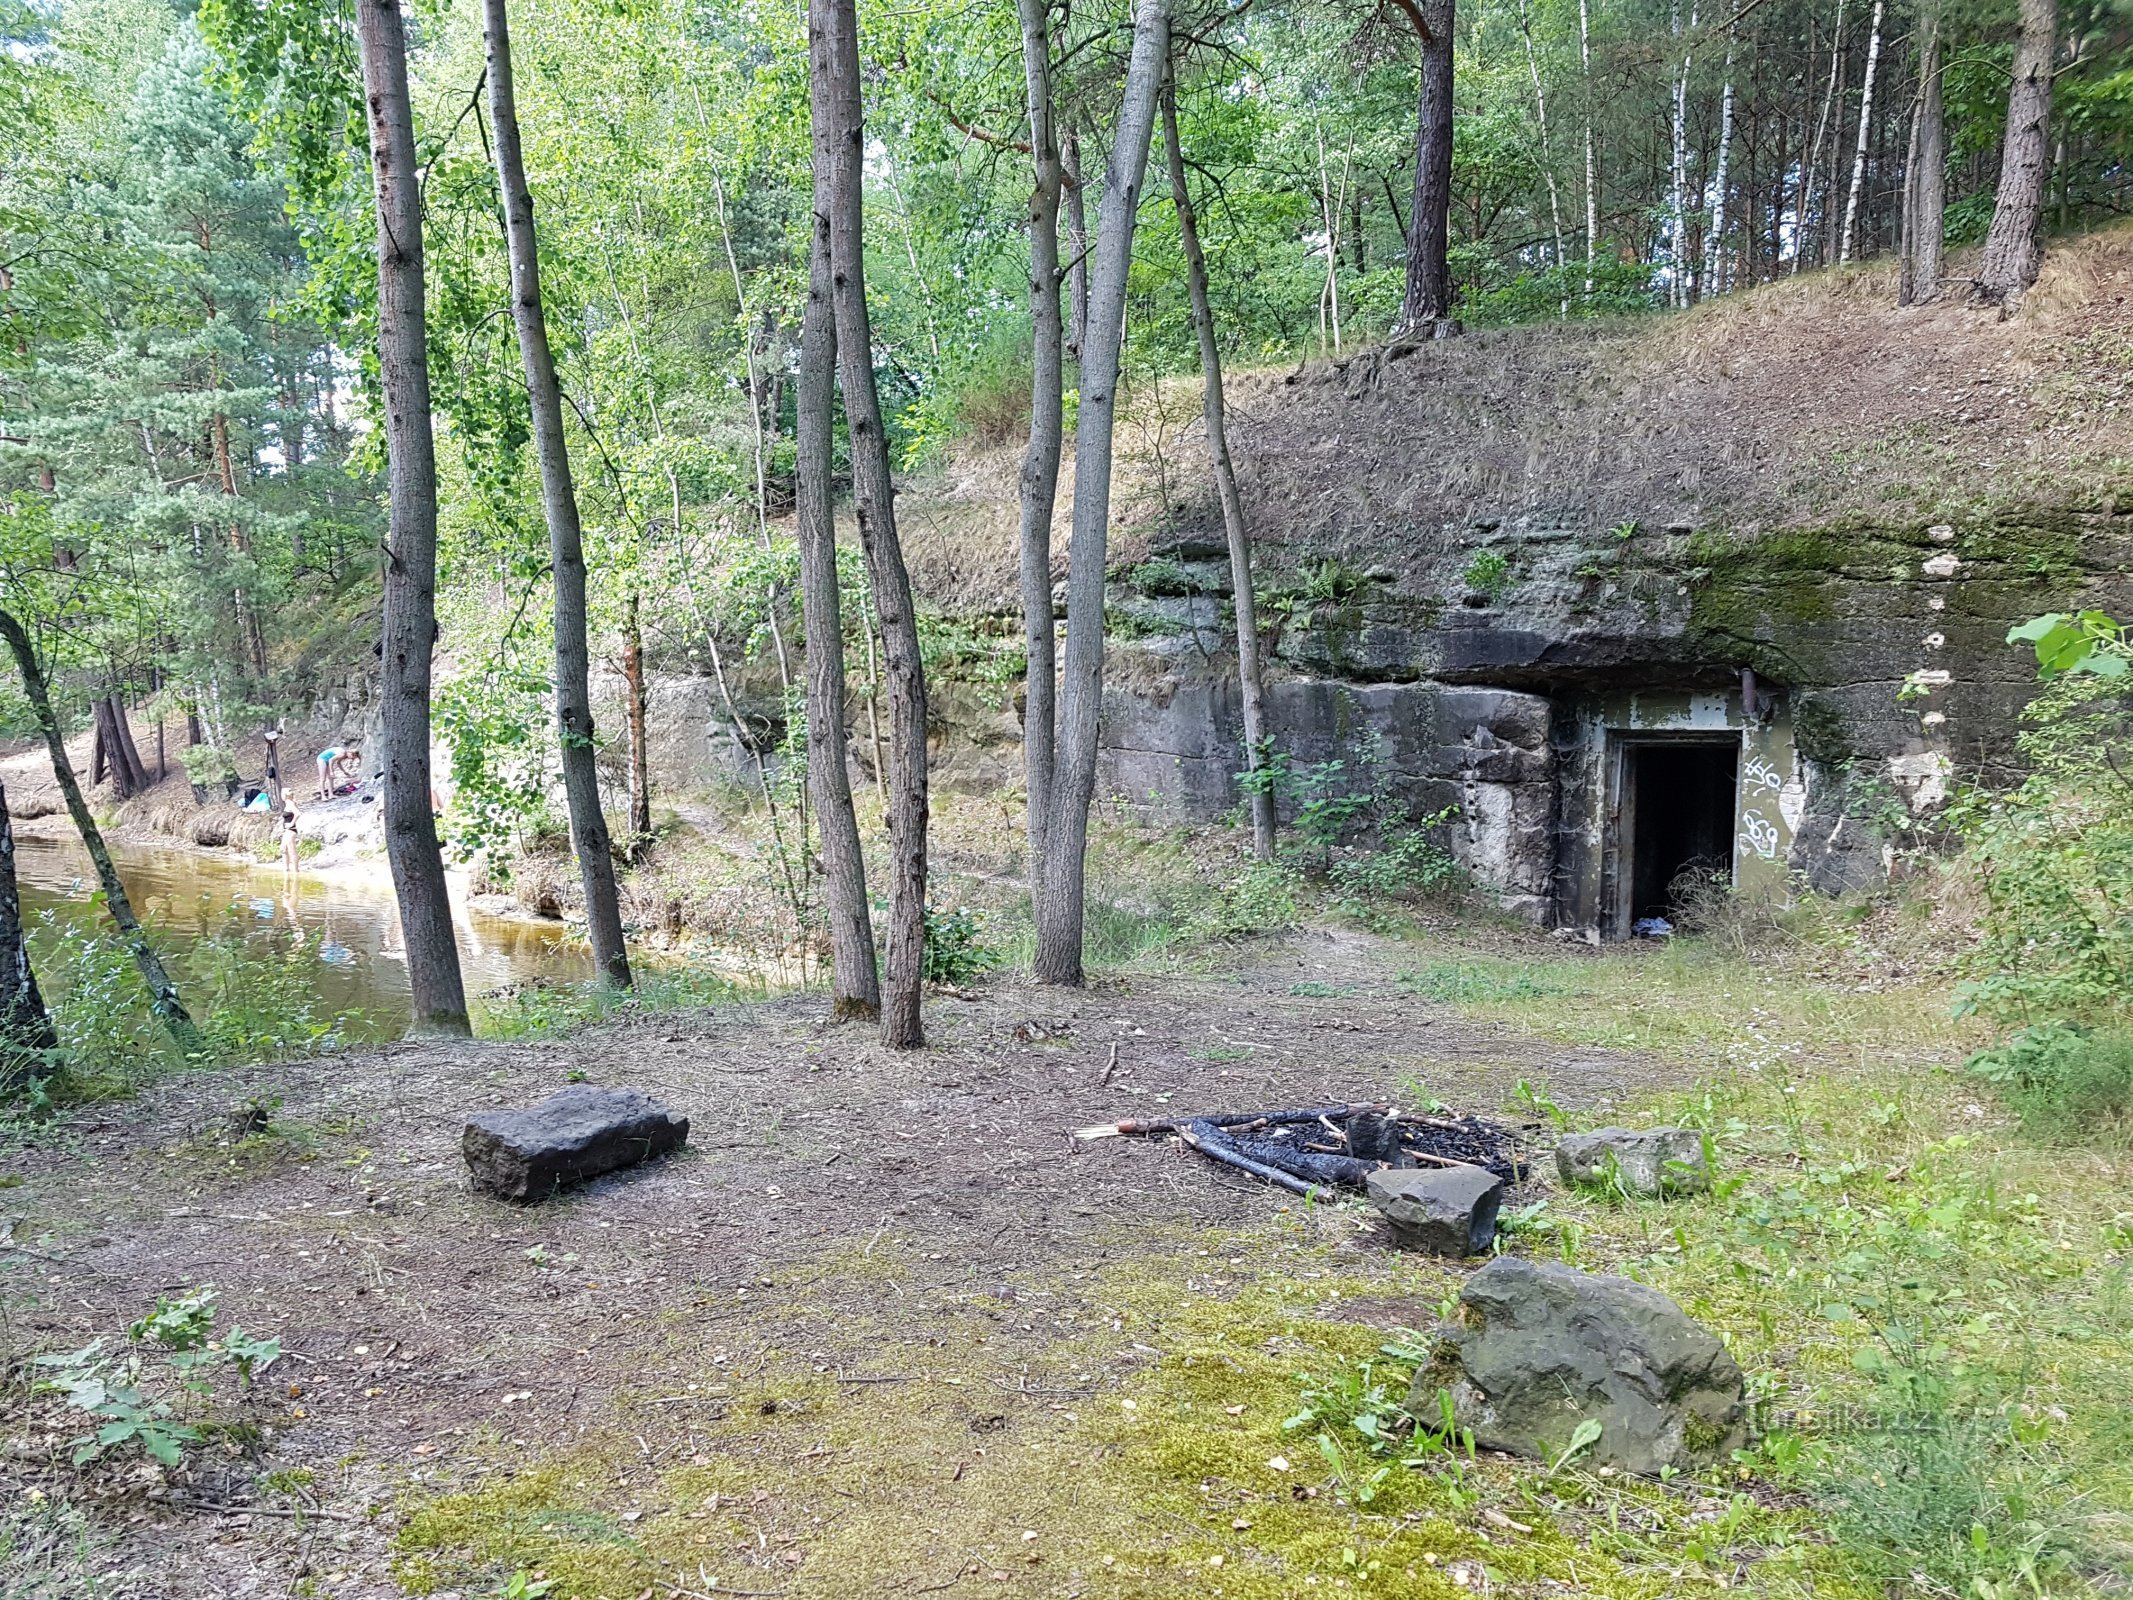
{"points": [[1321, 1148]]}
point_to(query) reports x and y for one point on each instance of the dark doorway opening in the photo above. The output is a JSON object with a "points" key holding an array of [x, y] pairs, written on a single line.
{"points": [[1682, 804]]}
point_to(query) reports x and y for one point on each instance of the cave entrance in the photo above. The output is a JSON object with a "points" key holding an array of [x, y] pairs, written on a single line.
{"points": [[1679, 797]]}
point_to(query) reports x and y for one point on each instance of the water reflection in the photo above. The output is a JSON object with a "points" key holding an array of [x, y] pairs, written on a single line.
{"points": [[349, 920]]}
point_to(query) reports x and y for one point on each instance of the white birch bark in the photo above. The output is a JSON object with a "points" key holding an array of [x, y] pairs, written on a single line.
{"points": [[1866, 117], [1714, 256]]}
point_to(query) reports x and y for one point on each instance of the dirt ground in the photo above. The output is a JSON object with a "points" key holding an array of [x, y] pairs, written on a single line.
{"points": [[433, 1335]]}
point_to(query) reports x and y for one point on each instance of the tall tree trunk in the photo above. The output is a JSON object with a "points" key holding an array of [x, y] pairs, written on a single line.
{"points": [[1866, 122], [559, 501], [1592, 161], [855, 981], [218, 431], [1714, 259], [640, 756], [163, 994], [1800, 230], [27, 1037], [1066, 834], [1077, 272], [128, 752], [1925, 173], [1547, 158], [2011, 250], [833, 38], [1040, 461], [1251, 683], [410, 632], [1426, 306], [1677, 192]]}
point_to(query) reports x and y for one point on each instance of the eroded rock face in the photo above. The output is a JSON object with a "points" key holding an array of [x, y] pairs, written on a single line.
{"points": [[578, 1133], [1649, 1161], [1447, 1211], [1547, 1347]]}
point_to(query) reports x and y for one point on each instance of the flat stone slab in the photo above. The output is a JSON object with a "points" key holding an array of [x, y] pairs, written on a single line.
{"points": [[1649, 1161], [1447, 1211], [1545, 1348], [575, 1134]]}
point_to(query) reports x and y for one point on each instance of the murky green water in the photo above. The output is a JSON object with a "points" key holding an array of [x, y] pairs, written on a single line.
{"points": [[350, 921]]}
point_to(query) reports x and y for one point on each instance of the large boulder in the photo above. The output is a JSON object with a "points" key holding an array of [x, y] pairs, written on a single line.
{"points": [[1448, 1211], [1649, 1161], [1544, 1348], [575, 1134]]}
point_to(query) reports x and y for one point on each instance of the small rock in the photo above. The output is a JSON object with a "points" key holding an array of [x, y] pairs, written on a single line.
{"points": [[1548, 1347], [573, 1135], [1447, 1211], [1649, 1161]]}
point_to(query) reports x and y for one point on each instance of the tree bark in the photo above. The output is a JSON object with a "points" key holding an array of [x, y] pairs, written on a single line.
{"points": [[640, 758], [128, 753], [1040, 461], [1547, 159], [1925, 173], [1714, 259], [2011, 251], [163, 994], [1677, 193], [1592, 162], [855, 981], [1251, 683], [1060, 904], [1077, 272], [833, 38], [1814, 153], [27, 1038], [1427, 304], [410, 631], [1866, 122], [559, 500]]}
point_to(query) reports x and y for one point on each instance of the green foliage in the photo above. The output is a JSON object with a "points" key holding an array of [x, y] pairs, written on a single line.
{"points": [[1488, 573], [1408, 864], [2067, 1084], [494, 727], [147, 1398], [956, 951], [2087, 641], [1471, 982]]}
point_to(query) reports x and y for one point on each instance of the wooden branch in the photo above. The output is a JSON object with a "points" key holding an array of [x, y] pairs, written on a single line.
{"points": [[1413, 13], [970, 130]]}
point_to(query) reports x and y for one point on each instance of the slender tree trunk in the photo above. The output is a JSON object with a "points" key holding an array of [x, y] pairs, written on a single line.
{"points": [[1077, 247], [27, 1038], [1814, 154], [1866, 122], [1592, 161], [1925, 173], [1677, 194], [1040, 461], [2011, 250], [855, 981], [410, 632], [1714, 260], [1060, 905], [162, 992], [833, 30], [640, 755], [1427, 304], [1251, 682], [1547, 158], [559, 501]]}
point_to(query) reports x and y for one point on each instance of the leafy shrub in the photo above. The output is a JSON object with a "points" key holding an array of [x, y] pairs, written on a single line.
{"points": [[2065, 1083], [956, 951], [1409, 864], [1488, 573]]}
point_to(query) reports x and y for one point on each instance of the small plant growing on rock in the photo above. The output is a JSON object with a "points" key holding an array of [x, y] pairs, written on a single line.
{"points": [[1488, 574]]}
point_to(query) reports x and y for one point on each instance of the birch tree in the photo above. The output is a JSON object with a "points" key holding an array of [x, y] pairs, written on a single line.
{"points": [[833, 45], [1592, 162], [410, 633], [1063, 895], [1866, 122], [559, 503], [1714, 260], [1251, 686]]}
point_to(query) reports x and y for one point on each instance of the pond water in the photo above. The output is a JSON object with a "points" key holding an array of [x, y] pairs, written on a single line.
{"points": [[349, 918]]}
